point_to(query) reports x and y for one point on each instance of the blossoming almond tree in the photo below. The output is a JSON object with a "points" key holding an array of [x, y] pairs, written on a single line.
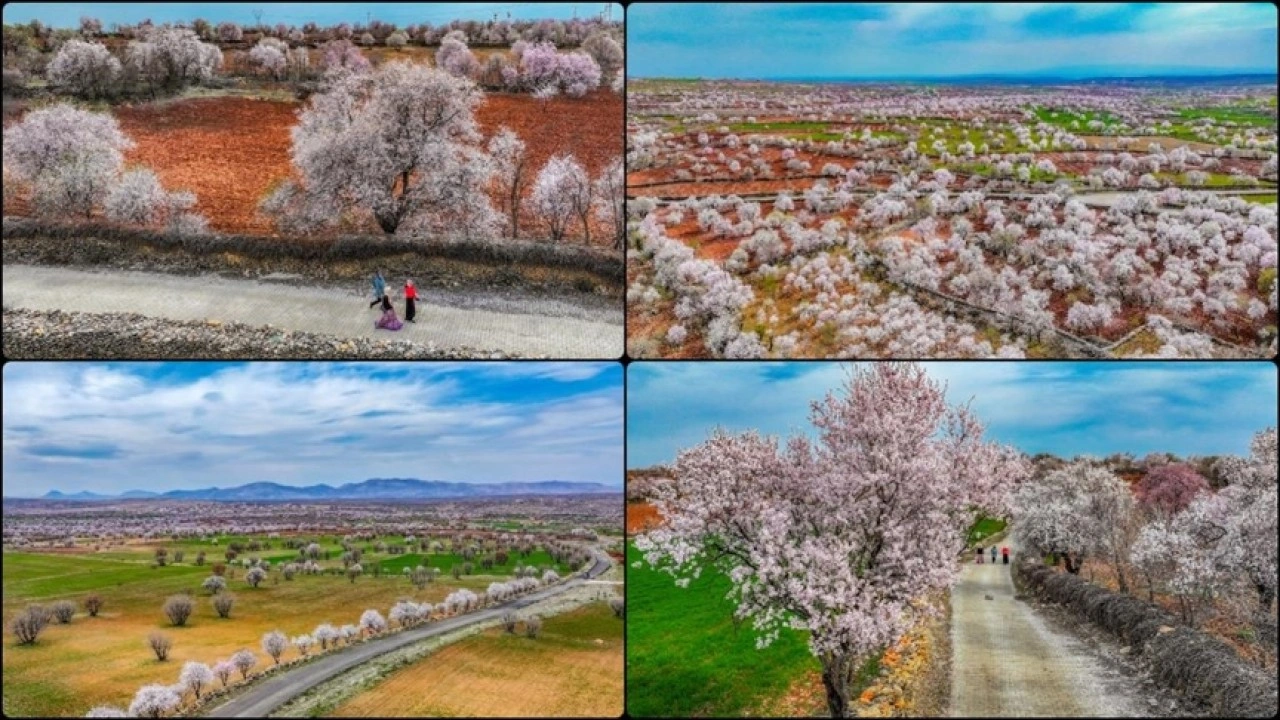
{"points": [[845, 536]]}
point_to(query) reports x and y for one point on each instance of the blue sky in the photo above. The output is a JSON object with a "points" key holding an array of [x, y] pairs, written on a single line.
{"points": [[68, 14], [111, 427], [1066, 408], [851, 40]]}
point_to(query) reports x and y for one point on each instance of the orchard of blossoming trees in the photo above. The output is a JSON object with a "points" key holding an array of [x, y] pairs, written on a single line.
{"points": [[195, 597], [1117, 220], [355, 166], [1207, 554]]}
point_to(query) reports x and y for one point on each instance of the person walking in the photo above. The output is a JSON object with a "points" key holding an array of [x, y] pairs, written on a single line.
{"points": [[410, 300], [1005, 551], [379, 288], [979, 556], [993, 554]]}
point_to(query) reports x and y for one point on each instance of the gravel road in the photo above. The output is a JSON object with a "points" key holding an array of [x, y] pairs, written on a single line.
{"points": [[1008, 662], [265, 697], [544, 329]]}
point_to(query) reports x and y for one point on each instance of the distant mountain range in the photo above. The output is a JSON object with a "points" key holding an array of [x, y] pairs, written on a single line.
{"points": [[373, 489], [1061, 76]]}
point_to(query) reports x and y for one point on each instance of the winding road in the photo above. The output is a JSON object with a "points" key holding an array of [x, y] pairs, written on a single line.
{"points": [[539, 327], [263, 698], [1007, 661]]}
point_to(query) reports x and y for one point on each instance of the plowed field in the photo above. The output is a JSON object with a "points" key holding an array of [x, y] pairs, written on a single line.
{"points": [[229, 151]]}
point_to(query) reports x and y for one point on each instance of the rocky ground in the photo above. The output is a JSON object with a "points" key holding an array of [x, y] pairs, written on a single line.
{"points": [[54, 334]]}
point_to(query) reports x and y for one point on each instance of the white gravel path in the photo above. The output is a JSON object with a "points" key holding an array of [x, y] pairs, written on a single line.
{"points": [[1008, 662], [541, 330]]}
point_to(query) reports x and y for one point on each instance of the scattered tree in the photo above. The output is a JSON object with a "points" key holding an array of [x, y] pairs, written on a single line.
{"points": [[93, 604], [63, 611], [561, 192], [178, 608], [354, 150], [160, 645], [244, 661], [85, 69], [28, 624], [196, 676], [69, 157], [222, 604], [153, 701]]}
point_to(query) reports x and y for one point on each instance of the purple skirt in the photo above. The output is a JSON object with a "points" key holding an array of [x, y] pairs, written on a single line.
{"points": [[388, 321]]}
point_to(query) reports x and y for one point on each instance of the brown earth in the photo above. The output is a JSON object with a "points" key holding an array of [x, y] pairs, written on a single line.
{"points": [[230, 151], [641, 516]]}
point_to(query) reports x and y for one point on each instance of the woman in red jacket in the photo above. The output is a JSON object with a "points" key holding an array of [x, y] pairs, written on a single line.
{"points": [[410, 300]]}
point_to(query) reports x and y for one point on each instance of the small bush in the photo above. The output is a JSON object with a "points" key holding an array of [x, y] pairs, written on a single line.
{"points": [[28, 625], [63, 611], [93, 604], [160, 644], [178, 608]]}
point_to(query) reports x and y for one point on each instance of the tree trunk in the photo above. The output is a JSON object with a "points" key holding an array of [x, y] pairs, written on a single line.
{"points": [[1266, 596], [837, 674], [387, 222]]}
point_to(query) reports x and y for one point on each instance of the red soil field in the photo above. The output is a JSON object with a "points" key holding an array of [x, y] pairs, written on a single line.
{"points": [[641, 516], [229, 151]]}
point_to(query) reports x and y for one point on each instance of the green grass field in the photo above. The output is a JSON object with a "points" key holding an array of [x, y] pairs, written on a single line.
{"points": [[685, 658], [104, 659], [446, 560], [985, 527]]}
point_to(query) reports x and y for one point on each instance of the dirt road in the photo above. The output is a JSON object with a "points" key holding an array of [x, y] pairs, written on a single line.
{"points": [[262, 699], [542, 329], [1008, 662]]}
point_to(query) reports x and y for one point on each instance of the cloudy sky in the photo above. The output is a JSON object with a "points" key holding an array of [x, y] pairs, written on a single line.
{"points": [[1096, 408], [897, 40], [68, 14], [111, 427]]}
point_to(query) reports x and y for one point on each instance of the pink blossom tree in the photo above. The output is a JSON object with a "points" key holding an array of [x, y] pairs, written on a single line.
{"points": [[455, 58], [153, 701], [510, 162], [561, 192], [69, 157], [610, 196], [85, 69], [1168, 488], [844, 537], [399, 143], [341, 56]]}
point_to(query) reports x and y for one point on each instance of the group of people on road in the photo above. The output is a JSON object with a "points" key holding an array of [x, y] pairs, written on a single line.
{"points": [[1004, 552], [389, 320]]}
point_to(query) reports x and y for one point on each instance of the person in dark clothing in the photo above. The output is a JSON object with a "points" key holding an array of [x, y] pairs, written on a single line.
{"points": [[410, 300], [379, 288], [993, 554], [979, 556]]}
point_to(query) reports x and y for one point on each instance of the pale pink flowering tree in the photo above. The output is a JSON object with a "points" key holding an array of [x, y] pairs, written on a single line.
{"points": [[843, 537], [610, 196], [85, 69], [196, 676], [1168, 488], [68, 155], [153, 701], [560, 192], [341, 56], [510, 161], [399, 143], [271, 54], [1077, 510], [455, 58]]}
